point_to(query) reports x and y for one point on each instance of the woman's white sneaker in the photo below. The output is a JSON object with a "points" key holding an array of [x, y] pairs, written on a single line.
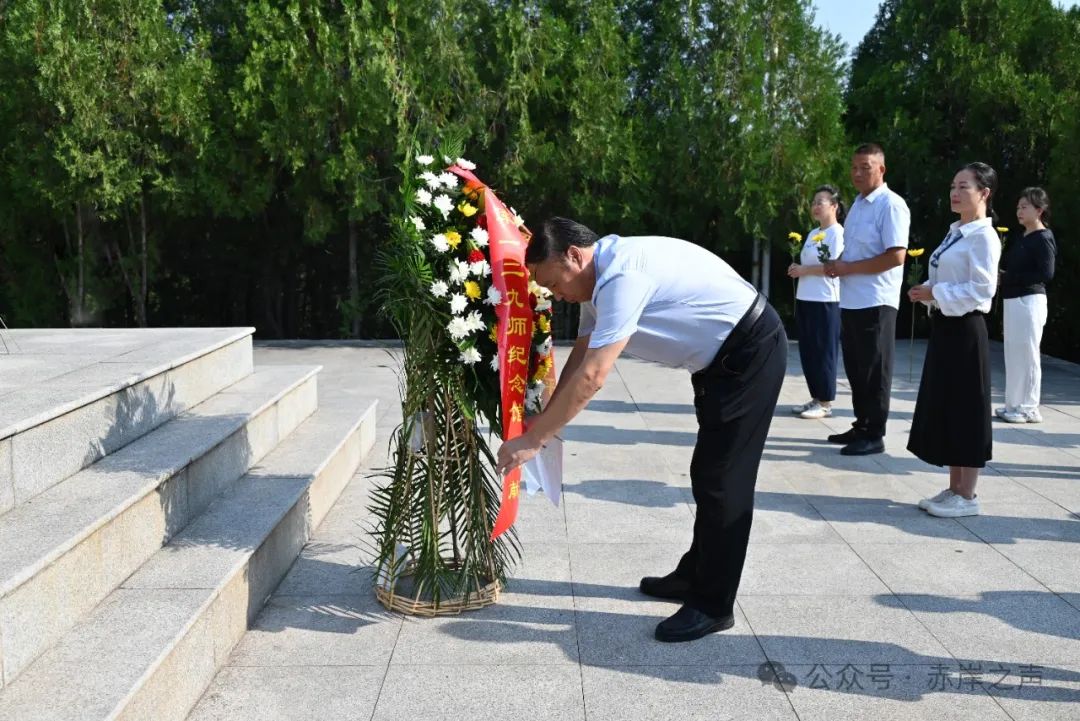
{"points": [[954, 506], [1000, 412], [817, 410], [805, 406], [1032, 416], [924, 503]]}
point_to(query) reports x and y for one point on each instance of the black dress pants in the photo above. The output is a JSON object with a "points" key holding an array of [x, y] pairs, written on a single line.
{"points": [[734, 399], [868, 342]]}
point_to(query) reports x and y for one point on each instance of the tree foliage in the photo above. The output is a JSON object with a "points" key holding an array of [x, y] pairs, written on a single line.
{"points": [[941, 84], [262, 141]]}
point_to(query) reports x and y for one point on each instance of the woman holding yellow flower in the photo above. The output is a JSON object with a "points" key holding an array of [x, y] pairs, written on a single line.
{"points": [[951, 425], [817, 303]]}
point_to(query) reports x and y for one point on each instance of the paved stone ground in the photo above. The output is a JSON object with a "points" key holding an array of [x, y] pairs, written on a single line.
{"points": [[865, 607]]}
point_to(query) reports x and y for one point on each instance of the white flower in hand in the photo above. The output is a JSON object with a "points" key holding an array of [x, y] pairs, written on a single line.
{"points": [[439, 289], [458, 303]]}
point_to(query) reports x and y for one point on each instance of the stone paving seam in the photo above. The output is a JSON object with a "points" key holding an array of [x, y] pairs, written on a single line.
{"points": [[768, 660]]}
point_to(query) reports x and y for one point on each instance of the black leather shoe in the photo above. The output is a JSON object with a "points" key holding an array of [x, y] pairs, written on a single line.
{"points": [[846, 437], [689, 624], [669, 587], [863, 447]]}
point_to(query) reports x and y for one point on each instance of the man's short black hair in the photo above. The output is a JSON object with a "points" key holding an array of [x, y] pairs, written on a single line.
{"points": [[870, 149], [555, 236]]}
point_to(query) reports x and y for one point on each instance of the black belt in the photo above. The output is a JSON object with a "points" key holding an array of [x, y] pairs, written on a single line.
{"points": [[738, 333]]}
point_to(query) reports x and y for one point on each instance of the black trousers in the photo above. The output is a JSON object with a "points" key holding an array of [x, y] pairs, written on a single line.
{"points": [[819, 345], [868, 341], [734, 399]]}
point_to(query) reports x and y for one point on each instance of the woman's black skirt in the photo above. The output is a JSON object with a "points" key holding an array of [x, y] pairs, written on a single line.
{"points": [[951, 426]]}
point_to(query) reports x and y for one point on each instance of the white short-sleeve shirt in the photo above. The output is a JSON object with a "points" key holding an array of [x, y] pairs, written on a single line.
{"points": [[874, 224], [674, 300], [817, 287]]}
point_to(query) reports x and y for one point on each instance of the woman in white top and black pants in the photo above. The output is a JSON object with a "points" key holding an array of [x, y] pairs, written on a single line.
{"points": [[951, 426], [817, 304]]}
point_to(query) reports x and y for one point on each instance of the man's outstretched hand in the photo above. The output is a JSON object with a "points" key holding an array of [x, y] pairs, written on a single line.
{"points": [[516, 452]]}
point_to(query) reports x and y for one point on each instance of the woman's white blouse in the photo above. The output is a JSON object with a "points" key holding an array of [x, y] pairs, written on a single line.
{"points": [[818, 287], [964, 271]]}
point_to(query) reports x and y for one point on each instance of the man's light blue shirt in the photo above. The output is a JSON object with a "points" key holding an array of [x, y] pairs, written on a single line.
{"points": [[674, 300], [874, 224]]}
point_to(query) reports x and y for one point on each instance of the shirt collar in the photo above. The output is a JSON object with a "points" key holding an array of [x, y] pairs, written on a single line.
{"points": [[878, 192], [968, 228]]}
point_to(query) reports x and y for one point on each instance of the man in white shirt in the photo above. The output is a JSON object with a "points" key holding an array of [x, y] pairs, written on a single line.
{"points": [[674, 303], [871, 272]]}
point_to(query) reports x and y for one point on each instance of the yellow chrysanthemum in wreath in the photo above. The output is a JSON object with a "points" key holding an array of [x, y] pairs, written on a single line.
{"points": [[472, 289], [453, 238], [543, 324]]}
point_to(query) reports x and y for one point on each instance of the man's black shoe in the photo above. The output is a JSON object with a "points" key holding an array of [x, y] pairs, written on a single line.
{"points": [[689, 624], [852, 434], [669, 587], [863, 447]]}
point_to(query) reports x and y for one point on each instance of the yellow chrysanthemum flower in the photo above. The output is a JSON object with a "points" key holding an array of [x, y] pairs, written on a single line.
{"points": [[493, 333], [794, 236], [453, 238], [467, 210], [542, 370], [1002, 229], [916, 252], [472, 289], [817, 237], [543, 324]]}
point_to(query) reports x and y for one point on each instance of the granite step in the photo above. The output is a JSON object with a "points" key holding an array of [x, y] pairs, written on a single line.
{"points": [[66, 549], [69, 397], [150, 649]]}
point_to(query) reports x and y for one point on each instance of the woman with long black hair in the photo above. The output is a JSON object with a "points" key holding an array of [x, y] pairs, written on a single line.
{"points": [[951, 426]]}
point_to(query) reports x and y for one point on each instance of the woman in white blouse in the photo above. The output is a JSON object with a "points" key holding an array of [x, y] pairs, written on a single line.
{"points": [[817, 304], [951, 426]]}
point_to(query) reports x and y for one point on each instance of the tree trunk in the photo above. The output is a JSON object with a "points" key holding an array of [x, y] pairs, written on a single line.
{"points": [[354, 281], [755, 272], [766, 267], [80, 292], [140, 303]]}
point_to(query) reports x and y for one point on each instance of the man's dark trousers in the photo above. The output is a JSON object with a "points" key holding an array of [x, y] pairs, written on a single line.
{"points": [[734, 398], [868, 343]]}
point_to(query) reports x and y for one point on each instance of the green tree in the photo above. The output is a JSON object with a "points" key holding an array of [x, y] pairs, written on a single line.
{"points": [[940, 84], [117, 94]]}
